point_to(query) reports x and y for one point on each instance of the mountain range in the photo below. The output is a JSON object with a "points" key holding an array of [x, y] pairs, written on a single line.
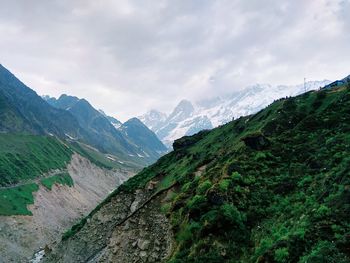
{"points": [[109, 134], [189, 118], [73, 119]]}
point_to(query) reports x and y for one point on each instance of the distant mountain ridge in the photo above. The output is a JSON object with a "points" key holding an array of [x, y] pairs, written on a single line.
{"points": [[139, 134], [22, 110], [132, 137], [189, 118]]}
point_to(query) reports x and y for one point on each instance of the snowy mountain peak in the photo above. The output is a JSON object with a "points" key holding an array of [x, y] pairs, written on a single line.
{"points": [[153, 119], [188, 118], [182, 111]]}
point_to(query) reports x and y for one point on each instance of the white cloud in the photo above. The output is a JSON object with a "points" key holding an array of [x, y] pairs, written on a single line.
{"points": [[129, 56]]}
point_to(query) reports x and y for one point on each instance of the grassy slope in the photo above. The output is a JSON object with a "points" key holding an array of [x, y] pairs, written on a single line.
{"points": [[63, 179], [25, 157], [14, 201], [275, 187]]}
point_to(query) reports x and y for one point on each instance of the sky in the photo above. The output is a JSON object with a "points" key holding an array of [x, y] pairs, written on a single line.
{"points": [[127, 57]]}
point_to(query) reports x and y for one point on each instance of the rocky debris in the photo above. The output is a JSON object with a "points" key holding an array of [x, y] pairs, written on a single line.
{"points": [[186, 141], [151, 185], [143, 244], [56, 211], [144, 237]]}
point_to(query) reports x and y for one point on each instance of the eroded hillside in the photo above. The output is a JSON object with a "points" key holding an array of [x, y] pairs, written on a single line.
{"points": [[56, 209]]}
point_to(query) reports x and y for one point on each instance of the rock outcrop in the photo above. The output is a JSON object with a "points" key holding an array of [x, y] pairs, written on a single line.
{"points": [[129, 228]]}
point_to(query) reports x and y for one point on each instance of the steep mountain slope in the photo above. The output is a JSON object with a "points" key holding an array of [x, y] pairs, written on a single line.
{"points": [[269, 187], [22, 110], [188, 118], [17, 153], [143, 138], [63, 102], [116, 123], [44, 188], [109, 135], [101, 132]]}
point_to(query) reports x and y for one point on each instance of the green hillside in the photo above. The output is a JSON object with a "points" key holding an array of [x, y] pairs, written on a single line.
{"points": [[27, 161], [25, 157], [23, 160], [271, 187]]}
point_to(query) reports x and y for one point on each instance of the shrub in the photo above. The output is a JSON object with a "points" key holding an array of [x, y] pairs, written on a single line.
{"points": [[322, 211], [236, 176], [196, 202], [231, 215], [224, 185], [204, 186], [281, 254]]}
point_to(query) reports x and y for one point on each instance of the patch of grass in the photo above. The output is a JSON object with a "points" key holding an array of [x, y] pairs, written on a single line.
{"points": [[14, 201], [63, 179], [25, 157]]}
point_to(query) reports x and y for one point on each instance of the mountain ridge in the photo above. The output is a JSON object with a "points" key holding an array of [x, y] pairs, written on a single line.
{"points": [[187, 118], [113, 131]]}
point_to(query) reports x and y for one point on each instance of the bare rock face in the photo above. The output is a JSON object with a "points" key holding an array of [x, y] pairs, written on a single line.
{"points": [[256, 141], [129, 228], [56, 210]]}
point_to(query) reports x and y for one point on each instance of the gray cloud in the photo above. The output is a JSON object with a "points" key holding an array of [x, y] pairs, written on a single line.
{"points": [[129, 56]]}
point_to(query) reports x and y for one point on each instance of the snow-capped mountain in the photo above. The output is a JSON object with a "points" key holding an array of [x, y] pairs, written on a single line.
{"points": [[189, 118], [153, 119]]}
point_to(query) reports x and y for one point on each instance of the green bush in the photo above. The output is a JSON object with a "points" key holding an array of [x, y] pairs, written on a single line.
{"points": [[204, 186], [224, 185], [281, 255]]}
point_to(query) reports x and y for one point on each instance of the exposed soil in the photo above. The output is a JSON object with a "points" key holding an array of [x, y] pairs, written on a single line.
{"points": [[57, 210]]}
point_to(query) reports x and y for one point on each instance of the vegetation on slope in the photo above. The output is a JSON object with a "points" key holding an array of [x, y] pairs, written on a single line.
{"points": [[62, 179], [23, 160], [271, 187], [29, 160], [14, 200], [25, 157]]}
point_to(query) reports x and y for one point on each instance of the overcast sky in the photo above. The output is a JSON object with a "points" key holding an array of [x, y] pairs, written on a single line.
{"points": [[127, 57]]}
